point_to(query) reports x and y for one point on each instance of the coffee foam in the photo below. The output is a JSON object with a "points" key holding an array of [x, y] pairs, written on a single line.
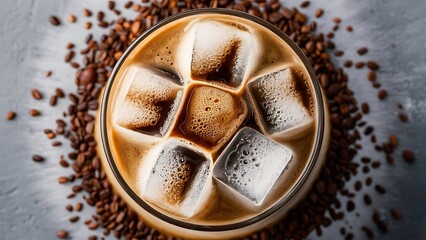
{"points": [[267, 52], [212, 116]]}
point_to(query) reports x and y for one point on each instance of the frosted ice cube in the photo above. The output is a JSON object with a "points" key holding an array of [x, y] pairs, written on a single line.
{"points": [[220, 52], [180, 179], [251, 164], [211, 116], [281, 101], [150, 103]]}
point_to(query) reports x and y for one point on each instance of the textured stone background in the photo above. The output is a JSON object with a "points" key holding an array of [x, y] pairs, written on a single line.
{"points": [[31, 201]]}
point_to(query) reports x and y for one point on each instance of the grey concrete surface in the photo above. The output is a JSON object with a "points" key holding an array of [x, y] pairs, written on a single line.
{"points": [[32, 202]]}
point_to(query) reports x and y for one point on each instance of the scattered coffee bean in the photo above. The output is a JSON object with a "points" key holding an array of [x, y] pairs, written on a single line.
{"points": [[319, 12], [74, 219], [372, 76], [34, 113], [54, 21], [79, 207], [87, 12], [380, 189], [69, 208], [53, 100], [365, 108], [362, 51], [48, 73], [305, 4], [395, 214], [88, 25], [62, 234], [349, 28], [359, 65], [36, 94], [37, 158], [403, 117], [72, 18], [408, 156], [10, 116], [383, 94], [63, 180], [373, 65]]}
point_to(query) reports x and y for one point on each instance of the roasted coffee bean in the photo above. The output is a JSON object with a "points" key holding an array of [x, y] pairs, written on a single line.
{"points": [[362, 51], [10, 116], [36, 94], [403, 117], [319, 12], [37, 158], [408, 156], [62, 234], [54, 21], [395, 214]]}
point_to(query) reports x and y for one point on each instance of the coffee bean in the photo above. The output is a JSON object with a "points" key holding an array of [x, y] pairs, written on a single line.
{"points": [[365, 108], [10, 116], [128, 4], [88, 25], [305, 4], [367, 199], [383, 94], [87, 12], [54, 21], [395, 214], [362, 51], [69, 208], [79, 207], [69, 56], [349, 28], [380, 189], [372, 76], [347, 63], [48, 73], [408, 156], [34, 113], [403, 117], [74, 219], [350, 206], [72, 18], [62, 234], [319, 12], [111, 5], [37, 158], [36, 94], [53, 100], [63, 180], [359, 65], [373, 65], [87, 76]]}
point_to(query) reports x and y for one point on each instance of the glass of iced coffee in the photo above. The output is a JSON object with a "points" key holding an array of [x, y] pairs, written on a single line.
{"points": [[213, 125]]}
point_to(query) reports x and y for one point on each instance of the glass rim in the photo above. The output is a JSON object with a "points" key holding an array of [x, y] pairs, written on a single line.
{"points": [[269, 211]]}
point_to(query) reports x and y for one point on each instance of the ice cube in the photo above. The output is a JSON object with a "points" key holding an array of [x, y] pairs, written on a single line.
{"points": [[281, 101], [212, 116], [251, 164], [150, 103], [180, 179], [220, 52]]}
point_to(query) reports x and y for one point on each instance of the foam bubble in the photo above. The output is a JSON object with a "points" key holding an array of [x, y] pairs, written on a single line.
{"points": [[212, 116]]}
